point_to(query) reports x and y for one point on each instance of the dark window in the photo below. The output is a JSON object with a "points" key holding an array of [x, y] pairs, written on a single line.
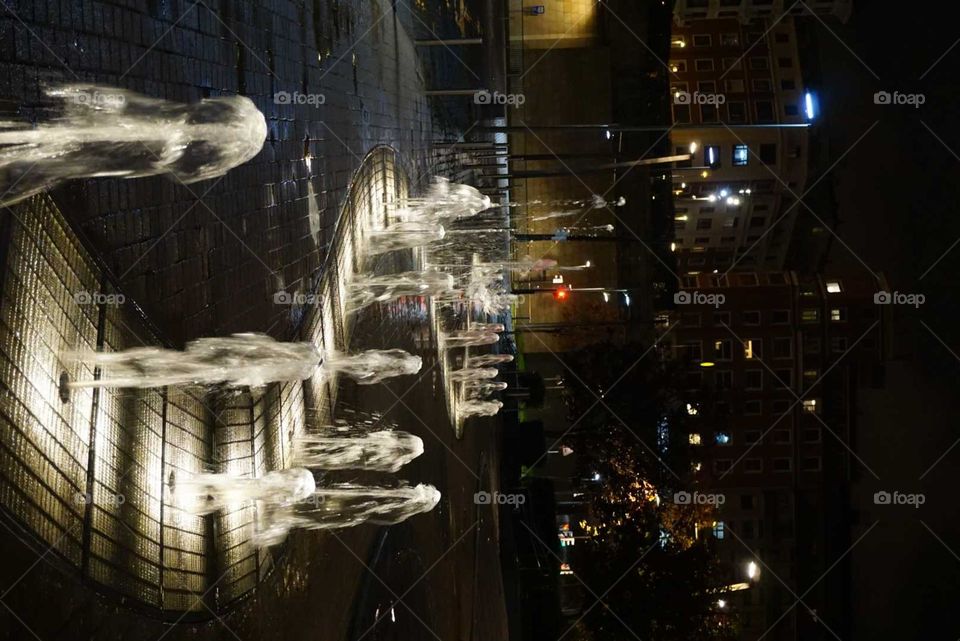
{"points": [[764, 111], [768, 153], [788, 85], [737, 111], [681, 113]]}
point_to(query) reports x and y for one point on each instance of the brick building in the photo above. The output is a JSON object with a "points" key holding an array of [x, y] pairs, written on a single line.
{"points": [[774, 361], [749, 10], [741, 108]]}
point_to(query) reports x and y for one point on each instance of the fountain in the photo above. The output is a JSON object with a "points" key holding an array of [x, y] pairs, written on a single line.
{"points": [[207, 493], [343, 506], [373, 365], [366, 290], [485, 360], [444, 200], [106, 131], [384, 450], [472, 374], [240, 360], [468, 338], [402, 235], [474, 407]]}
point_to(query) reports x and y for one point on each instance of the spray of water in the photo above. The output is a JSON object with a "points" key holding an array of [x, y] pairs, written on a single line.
{"points": [[402, 235], [207, 493], [472, 374], [444, 200], [345, 506], [468, 338], [374, 365], [385, 450], [474, 407], [366, 290], [238, 360], [485, 360], [106, 131]]}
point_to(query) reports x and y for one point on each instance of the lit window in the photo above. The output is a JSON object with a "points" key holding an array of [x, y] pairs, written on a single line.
{"points": [[748, 348], [711, 156], [692, 410], [722, 438], [695, 439], [833, 287], [718, 530], [810, 315], [741, 155], [838, 314], [810, 405]]}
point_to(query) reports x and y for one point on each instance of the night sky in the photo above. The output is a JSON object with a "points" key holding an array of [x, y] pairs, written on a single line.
{"points": [[897, 191]]}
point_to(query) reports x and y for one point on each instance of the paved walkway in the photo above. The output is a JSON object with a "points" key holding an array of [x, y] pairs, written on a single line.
{"points": [[207, 258]]}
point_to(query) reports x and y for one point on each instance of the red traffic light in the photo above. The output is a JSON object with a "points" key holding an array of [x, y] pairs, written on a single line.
{"points": [[561, 293]]}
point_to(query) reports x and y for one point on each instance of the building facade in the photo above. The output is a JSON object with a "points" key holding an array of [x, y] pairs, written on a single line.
{"points": [[742, 112], [774, 361], [747, 11]]}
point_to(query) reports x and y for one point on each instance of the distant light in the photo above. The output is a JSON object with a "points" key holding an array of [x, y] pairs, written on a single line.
{"points": [[707, 364], [673, 247], [587, 263], [626, 298], [692, 409], [733, 200], [808, 104], [596, 476], [606, 297], [724, 193], [704, 173], [609, 134], [721, 603], [693, 148], [711, 155], [752, 570], [712, 198], [683, 185]]}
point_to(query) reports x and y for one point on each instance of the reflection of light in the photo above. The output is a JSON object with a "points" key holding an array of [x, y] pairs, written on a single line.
{"points": [[626, 298], [808, 104], [393, 615], [680, 217], [752, 570], [711, 155]]}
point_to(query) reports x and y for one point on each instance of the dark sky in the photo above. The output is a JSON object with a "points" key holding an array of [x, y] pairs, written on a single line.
{"points": [[899, 194]]}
